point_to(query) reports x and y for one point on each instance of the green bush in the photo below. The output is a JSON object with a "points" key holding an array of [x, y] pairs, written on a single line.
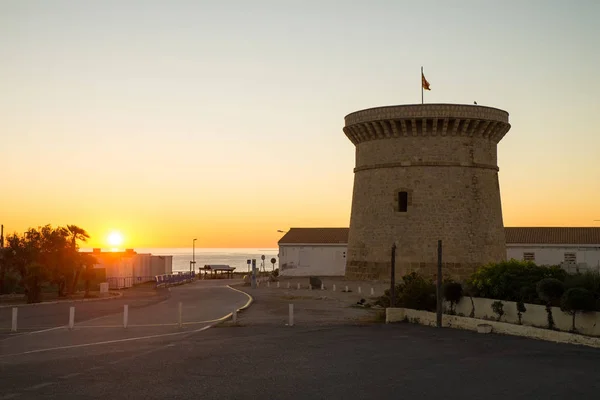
{"points": [[413, 292], [512, 280], [549, 290], [577, 300], [417, 293], [453, 292], [587, 280]]}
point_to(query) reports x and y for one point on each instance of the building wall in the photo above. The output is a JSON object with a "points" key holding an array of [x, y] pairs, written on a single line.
{"points": [[444, 156], [555, 255], [142, 268], [161, 265], [315, 260]]}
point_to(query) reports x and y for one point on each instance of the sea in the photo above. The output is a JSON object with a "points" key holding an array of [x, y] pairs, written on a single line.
{"points": [[233, 257]]}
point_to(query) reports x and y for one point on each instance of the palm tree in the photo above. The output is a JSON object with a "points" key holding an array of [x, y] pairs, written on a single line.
{"points": [[76, 233], [88, 261]]}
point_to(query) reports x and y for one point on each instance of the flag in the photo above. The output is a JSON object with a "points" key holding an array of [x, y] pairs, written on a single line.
{"points": [[424, 82]]}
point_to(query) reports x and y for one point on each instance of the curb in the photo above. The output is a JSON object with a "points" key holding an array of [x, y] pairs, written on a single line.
{"points": [[44, 303]]}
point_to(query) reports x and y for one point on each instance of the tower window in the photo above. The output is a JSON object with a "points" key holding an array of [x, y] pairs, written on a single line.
{"points": [[402, 201]]}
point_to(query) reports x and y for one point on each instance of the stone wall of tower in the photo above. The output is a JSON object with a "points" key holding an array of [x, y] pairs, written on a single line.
{"points": [[444, 157]]}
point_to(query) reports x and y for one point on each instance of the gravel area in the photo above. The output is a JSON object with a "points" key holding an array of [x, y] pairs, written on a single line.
{"points": [[314, 307]]}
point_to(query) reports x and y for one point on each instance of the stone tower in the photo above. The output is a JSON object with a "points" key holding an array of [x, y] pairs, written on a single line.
{"points": [[424, 173]]}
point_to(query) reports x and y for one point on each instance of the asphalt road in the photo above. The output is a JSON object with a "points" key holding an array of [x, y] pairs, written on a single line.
{"points": [[203, 303], [278, 362]]}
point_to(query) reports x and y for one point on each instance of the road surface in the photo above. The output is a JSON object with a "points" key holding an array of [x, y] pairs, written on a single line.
{"points": [[301, 362]]}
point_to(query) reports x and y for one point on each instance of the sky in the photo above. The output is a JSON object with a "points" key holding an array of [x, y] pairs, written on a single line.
{"points": [[222, 120]]}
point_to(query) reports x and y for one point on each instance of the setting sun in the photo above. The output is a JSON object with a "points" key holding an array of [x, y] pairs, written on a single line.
{"points": [[115, 239]]}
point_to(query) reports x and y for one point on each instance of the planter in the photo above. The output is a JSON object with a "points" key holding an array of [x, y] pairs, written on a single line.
{"points": [[484, 328]]}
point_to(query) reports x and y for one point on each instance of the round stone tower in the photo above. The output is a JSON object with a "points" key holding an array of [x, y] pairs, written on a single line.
{"points": [[425, 173]]}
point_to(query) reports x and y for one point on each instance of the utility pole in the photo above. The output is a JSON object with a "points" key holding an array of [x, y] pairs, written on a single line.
{"points": [[439, 287], [393, 278], [1, 236]]}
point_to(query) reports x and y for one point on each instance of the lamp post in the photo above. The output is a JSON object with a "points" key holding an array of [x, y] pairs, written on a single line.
{"points": [[194, 254]]}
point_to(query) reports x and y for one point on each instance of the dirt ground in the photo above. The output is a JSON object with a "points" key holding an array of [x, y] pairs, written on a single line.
{"points": [[314, 307]]}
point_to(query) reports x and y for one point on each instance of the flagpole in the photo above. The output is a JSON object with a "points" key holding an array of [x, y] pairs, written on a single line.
{"points": [[421, 84]]}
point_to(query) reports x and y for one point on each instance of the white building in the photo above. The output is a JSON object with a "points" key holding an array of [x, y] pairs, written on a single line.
{"points": [[124, 269], [322, 251], [573, 248], [313, 251]]}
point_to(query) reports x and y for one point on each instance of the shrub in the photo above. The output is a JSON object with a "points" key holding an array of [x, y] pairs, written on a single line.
{"points": [[498, 309], [549, 290], [577, 300], [453, 292], [417, 293], [520, 310], [589, 280], [512, 280], [413, 292]]}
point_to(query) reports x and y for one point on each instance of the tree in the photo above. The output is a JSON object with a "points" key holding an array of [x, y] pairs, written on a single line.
{"points": [[76, 234], [453, 292], [498, 309], [520, 310], [88, 262], [550, 290], [577, 300]]}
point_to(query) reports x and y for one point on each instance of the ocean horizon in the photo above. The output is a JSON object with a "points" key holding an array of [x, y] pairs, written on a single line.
{"points": [[234, 257]]}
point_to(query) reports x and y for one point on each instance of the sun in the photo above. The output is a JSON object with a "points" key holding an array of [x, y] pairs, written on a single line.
{"points": [[115, 239]]}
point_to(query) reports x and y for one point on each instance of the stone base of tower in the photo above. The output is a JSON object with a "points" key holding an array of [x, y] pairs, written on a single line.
{"points": [[381, 271]]}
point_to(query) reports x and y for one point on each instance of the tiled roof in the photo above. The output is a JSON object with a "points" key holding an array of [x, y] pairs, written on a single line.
{"points": [[514, 235], [552, 235], [315, 236]]}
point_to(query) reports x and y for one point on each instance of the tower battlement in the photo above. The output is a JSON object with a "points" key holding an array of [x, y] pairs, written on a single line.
{"points": [[427, 120]]}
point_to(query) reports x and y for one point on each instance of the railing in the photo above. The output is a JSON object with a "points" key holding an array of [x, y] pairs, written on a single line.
{"points": [[120, 283], [174, 279]]}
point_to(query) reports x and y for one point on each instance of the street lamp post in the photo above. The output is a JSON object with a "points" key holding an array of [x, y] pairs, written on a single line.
{"points": [[194, 254]]}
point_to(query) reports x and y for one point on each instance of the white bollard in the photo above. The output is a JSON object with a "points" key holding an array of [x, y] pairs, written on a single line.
{"points": [[234, 316], [71, 317], [333, 288], [309, 287], [13, 328], [359, 290], [125, 315], [278, 285], [180, 314], [346, 288], [288, 285], [298, 286], [372, 292], [268, 284], [291, 319], [322, 287]]}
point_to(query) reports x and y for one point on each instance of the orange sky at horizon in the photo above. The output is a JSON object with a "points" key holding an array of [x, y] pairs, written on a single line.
{"points": [[181, 120]]}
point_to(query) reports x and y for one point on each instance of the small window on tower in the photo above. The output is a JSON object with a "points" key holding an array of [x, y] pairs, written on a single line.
{"points": [[402, 201]]}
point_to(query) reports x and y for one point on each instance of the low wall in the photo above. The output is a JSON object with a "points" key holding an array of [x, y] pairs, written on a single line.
{"points": [[585, 323], [455, 321]]}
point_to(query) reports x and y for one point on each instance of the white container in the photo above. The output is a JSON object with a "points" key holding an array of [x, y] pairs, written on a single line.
{"points": [[484, 328]]}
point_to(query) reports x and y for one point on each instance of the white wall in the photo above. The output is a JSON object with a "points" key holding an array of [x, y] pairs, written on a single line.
{"points": [[586, 323], [306, 260], [555, 255]]}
